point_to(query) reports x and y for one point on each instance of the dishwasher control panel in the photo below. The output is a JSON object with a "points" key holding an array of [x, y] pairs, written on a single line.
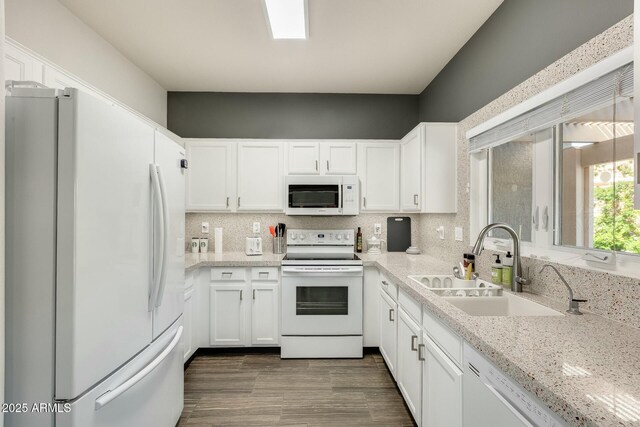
{"points": [[515, 396]]}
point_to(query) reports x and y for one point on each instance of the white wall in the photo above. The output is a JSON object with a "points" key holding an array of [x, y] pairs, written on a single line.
{"points": [[51, 30]]}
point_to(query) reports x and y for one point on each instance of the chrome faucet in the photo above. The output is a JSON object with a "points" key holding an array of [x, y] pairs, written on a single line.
{"points": [[574, 303], [517, 280]]}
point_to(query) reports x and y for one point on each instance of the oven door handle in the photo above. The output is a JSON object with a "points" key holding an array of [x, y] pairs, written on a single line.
{"points": [[321, 270]]}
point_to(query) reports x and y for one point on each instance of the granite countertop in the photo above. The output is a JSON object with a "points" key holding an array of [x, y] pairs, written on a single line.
{"points": [[585, 368]]}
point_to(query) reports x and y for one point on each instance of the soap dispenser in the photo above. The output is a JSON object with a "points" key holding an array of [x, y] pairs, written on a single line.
{"points": [[507, 270], [496, 271]]}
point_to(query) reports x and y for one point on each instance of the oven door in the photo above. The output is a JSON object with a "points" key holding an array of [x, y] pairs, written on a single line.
{"points": [[321, 300], [314, 195]]}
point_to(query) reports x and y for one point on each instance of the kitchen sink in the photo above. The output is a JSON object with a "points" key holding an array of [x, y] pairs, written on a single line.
{"points": [[505, 305]]}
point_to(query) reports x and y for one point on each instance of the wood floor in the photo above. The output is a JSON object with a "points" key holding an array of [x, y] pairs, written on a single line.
{"points": [[263, 390]]}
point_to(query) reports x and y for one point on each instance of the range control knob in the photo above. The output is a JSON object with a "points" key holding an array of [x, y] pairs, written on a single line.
{"points": [[302, 237], [339, 236], [294, 236], [347, 236]]}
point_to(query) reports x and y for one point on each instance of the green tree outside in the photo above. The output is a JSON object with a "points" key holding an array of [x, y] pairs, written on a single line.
{"points": [[622, 231]]}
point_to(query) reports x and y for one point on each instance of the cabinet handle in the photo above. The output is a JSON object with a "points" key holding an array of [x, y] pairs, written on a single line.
{"points": [[391, 319], [316, 166], [254, 294], [545, 218], [238, 201], [227, 202], [241, 295], [226, 274], [263, 274], [415, 199], [421, 352], [414, 343], [365, 201], [327, 165], [535, 218], [384, 282]]}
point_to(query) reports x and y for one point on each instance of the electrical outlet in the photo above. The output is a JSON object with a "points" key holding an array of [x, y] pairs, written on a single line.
{"points": [[377, 228], [256, 228], [458, 233], [205, 228]]}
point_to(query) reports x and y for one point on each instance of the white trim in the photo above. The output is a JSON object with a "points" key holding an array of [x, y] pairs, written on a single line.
{"points": [[597, 70]]}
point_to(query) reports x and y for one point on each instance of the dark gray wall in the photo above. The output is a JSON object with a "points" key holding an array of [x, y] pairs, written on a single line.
{"points": [[291, 115], [521, 38]]}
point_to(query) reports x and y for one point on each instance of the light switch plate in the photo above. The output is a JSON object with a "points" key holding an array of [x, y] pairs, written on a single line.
{"points": [[256, 228], [377, 229], [458, 233], [205, 228]]}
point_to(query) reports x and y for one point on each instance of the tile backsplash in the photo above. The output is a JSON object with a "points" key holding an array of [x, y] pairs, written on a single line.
{"points": [[236, 227]]}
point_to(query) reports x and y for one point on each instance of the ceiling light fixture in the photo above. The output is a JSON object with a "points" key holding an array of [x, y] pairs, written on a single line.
{"points": [[287, 19]]}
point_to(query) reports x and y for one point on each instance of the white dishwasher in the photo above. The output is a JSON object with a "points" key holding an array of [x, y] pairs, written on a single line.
{"points": [[490, 399]]}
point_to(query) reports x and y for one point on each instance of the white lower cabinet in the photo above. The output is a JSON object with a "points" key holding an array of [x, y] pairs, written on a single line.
{"points": [[187, 325], [441, 387], [388, 330], [264, 313], [244, 307], [409, 367], [227, 314]]}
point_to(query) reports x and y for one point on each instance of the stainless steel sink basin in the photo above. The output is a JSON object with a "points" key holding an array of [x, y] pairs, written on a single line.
{"points": [[505, 305]]}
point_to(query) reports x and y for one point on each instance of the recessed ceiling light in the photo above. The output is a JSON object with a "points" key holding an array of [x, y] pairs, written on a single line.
{"points": [[287, 18]]}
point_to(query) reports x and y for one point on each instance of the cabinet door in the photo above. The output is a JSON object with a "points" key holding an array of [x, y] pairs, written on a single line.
{"points": [[441, 387], [188, 325], [260, 176], [304, 158], [409, 375], [440, 168], [211, 175], [388, 333], [19, 65], [338, 158], [411, 162], [264, 314], [227, 314], [379, 172]]}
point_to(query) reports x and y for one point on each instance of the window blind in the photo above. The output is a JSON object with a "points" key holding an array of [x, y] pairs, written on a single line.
{"points": [[591, 96]]}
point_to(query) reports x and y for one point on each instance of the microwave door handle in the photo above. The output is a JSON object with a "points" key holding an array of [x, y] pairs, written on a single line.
{"points": [[340, 201]]}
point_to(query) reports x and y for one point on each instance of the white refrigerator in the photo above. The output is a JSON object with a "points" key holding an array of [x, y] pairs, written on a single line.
{"points": [[95, 264]]}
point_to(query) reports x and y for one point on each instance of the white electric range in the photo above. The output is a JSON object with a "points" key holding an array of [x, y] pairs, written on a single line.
{"points": [[322, 283]]}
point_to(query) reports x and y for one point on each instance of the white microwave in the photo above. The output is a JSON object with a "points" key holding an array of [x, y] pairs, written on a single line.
{"points": [[322, 195]]}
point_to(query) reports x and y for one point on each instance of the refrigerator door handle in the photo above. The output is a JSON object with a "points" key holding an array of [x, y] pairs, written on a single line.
{"points": [[157, 253], [165, 240], [112, 394]]}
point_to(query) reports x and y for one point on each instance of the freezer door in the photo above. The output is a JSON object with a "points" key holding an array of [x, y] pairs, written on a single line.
{"points": [[103, 241], [148, 391], [170, 295]]}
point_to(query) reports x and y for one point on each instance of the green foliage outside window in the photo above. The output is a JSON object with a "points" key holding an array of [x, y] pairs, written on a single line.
{"points": [[617, 226]]}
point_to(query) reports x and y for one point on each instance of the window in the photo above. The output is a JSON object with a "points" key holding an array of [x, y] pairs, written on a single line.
{"points": [[596, 181], [570, 182]]}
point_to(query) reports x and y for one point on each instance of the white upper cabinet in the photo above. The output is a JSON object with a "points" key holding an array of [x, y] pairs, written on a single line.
{"points": [[379, 173], [322, 158], [411, 170], [19, 65], [260, 176], [338, 158], [304, 158], [428, 169], [211, 176], [440, 185]]}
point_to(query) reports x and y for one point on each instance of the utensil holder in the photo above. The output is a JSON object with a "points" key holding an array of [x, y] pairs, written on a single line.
{"points": [[278, 245]]}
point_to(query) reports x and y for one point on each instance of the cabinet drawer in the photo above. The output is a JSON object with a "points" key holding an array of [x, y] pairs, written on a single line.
{"points": [[389, 287], [228, 274], [411, 306], [446, 339], [265, 274]]}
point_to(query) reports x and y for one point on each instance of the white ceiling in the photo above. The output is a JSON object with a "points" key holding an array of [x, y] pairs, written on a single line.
{"points": [[355, 46]]}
